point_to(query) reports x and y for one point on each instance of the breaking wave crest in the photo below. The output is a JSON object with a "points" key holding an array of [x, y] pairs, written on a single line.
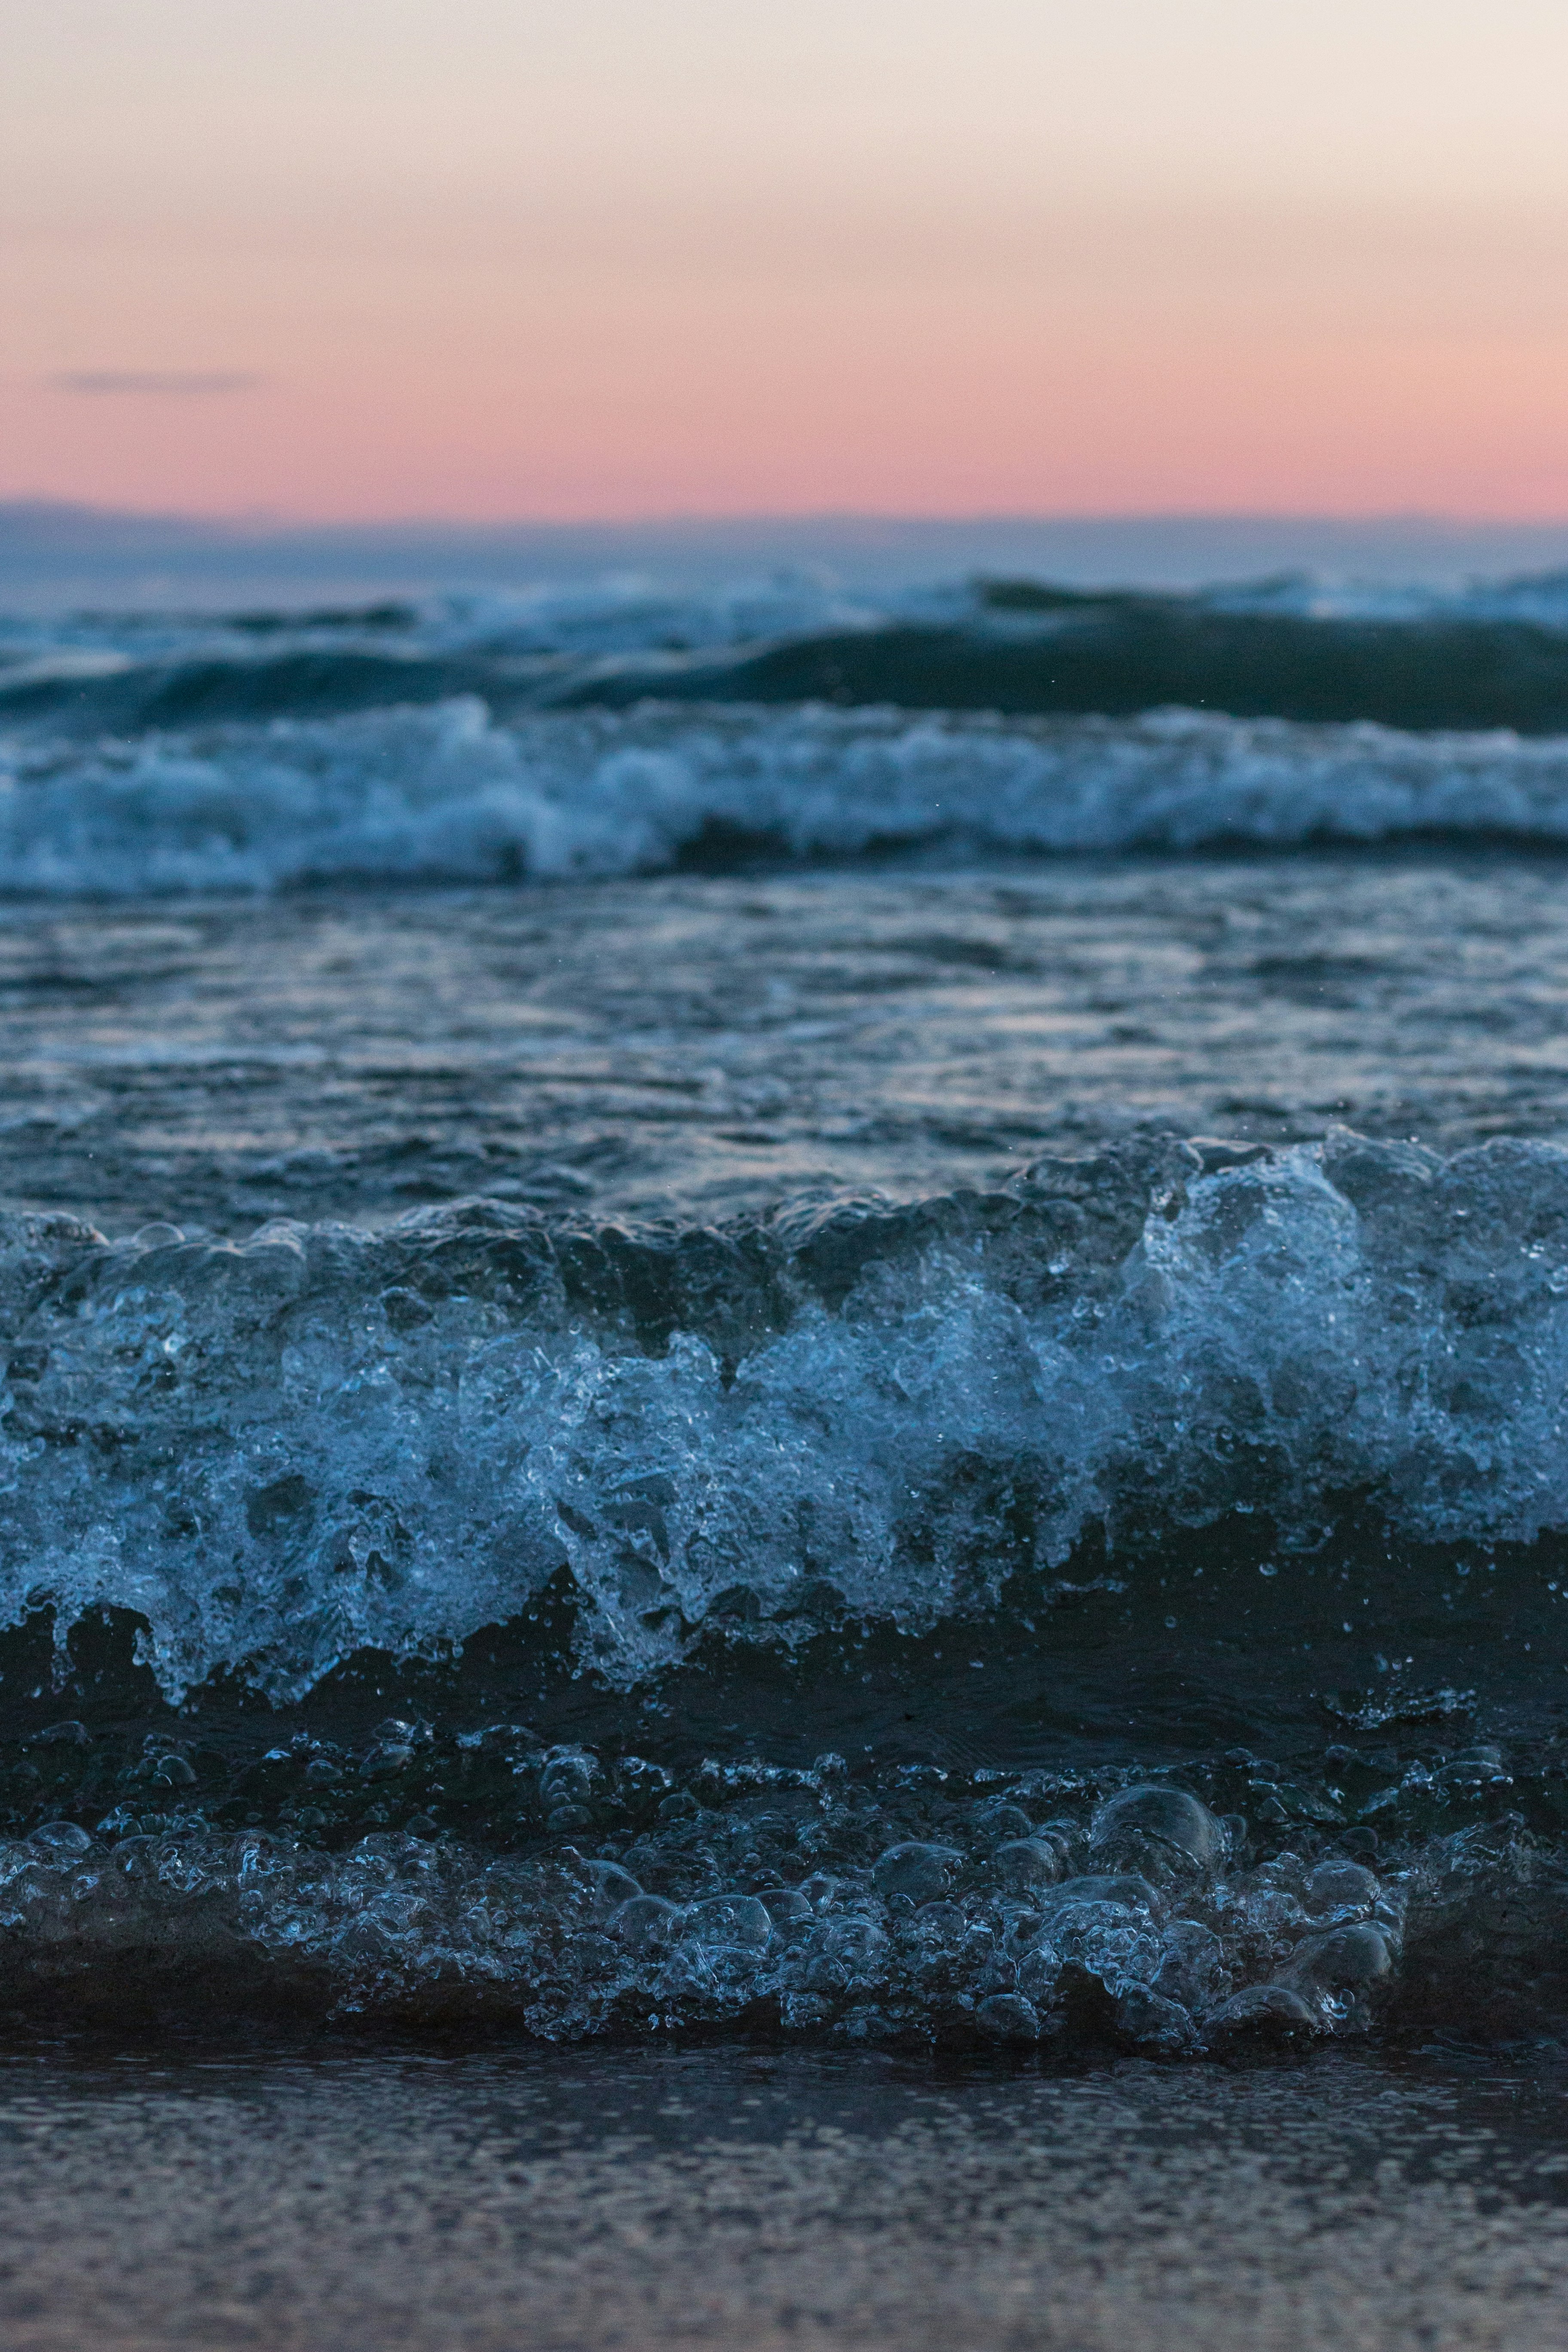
{"points": [[1489, 657], [449, 793], [277, 1452]]}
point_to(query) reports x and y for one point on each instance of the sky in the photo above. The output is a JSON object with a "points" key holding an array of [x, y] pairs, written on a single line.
{"points": [[487, 260]]}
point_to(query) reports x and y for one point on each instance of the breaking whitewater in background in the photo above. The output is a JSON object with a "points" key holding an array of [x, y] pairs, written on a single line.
{"points": [[488, 739], [1122, 1600]]}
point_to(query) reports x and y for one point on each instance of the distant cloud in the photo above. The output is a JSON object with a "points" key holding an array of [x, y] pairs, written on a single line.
{"points": [[172, 382]]}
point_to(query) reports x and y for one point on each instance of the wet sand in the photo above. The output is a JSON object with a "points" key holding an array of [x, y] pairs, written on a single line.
{"points": [[328, 2196]]}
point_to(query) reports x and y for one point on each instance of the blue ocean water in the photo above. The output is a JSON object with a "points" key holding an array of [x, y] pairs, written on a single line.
{"points": [[833, 1313]]}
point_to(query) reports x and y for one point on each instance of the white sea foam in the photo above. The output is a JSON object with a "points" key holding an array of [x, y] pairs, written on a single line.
{"points": [[447, 794], [621, 614], [279, 1452], [1539, 600], [631, 612]]}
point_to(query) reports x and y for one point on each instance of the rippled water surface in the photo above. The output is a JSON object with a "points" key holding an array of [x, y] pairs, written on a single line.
{"points": [[697, 1044]]}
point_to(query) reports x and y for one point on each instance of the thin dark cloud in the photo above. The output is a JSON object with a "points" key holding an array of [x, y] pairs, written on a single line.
{"points": [[178, 384]]}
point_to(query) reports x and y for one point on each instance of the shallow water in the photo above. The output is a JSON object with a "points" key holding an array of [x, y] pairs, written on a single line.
{"points": [[730, 1550], [694, 1045], [874, 1377]]}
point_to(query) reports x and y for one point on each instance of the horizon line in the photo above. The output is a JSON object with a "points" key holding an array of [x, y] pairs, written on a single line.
{"points": [[268, 524]]}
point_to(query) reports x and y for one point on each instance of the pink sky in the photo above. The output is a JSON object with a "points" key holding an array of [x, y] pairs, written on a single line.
{"points": [[489, 258]]}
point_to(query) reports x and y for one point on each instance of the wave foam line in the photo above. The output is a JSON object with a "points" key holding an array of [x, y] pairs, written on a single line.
{"points": [[324, 1439], [447, 794]]}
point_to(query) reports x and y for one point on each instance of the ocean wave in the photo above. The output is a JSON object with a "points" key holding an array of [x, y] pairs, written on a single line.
{"points": [[1538, 598], [1035, 650], [620, 613], [450, 794], [280, 1451], [1494, 657], [702, 1481], [92, 672]]}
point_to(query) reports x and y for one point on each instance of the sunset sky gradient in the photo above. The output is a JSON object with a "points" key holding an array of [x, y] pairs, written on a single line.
{"points": [[553, 258]]}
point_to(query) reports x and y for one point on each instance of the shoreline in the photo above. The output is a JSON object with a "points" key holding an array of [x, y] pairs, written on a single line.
{"points": [[415, 2200]]}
